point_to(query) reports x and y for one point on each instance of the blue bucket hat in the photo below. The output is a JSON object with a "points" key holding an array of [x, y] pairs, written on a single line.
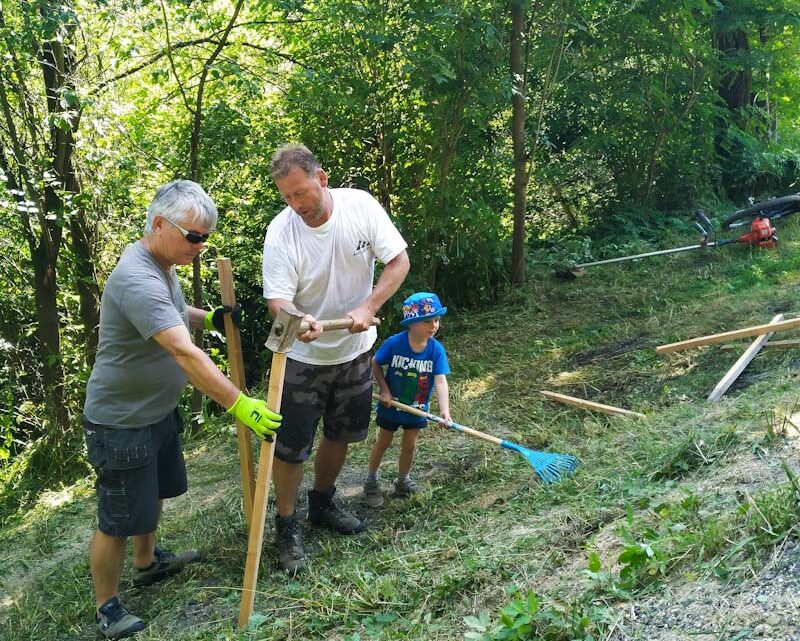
{"points": [[421, 306]]}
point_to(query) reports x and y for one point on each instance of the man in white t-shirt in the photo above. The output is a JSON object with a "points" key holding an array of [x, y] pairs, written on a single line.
{"points": [[319, 259]]}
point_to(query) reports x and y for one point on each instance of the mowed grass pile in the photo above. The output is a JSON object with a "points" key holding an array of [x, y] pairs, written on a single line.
{"points": [[484, 533]]}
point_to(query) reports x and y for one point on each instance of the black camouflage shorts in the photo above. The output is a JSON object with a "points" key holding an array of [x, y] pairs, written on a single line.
{"points": [[339, 394]]}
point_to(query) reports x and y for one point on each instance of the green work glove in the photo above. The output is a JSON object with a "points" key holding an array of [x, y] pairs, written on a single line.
{"points": [[254, 413], [215, 319]]}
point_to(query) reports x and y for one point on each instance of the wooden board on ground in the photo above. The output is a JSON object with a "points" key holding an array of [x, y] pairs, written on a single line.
{"points": [[742, 362], [590, 405], [793, 343], [745, 332]]}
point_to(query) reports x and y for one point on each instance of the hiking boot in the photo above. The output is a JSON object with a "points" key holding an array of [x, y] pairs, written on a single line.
{"points": [[166, 564], [115, 622], [323, 510], [291, 553], [372, 493], [405, 486]]}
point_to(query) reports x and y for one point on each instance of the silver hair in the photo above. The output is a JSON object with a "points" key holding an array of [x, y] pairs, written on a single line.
{"points": [[181, 199], [293, 155]]}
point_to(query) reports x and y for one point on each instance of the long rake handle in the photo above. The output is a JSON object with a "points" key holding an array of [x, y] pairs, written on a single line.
{"points": [[438, 419]]}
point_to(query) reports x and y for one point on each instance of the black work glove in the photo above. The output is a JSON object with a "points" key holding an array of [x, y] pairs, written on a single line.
{"points": [[215, 319]]}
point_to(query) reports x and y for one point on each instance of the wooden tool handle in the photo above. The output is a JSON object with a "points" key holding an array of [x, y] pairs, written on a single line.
{"points": [[339, 323]]}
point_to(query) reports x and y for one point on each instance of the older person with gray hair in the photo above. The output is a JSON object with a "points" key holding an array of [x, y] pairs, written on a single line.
{"points": [[131, 420]]}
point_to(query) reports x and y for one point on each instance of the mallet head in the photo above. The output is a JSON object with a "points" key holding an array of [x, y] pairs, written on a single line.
{"points": [[284, 330]]}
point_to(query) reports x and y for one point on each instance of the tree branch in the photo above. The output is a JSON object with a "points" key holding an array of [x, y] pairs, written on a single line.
{"points": [[277, 54], [171, 59]]}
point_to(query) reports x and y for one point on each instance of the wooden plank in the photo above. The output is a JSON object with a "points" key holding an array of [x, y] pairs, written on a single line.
{"points": [[256, 536], [743, 361], [793, 343], [236, 365], [589, 405], [755, 330]]}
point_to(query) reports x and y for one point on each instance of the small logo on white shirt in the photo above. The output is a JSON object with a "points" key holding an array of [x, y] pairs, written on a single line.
{"points": [[362, 246]]}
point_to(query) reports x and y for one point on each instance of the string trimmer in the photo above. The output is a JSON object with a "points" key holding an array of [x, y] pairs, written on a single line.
{"points": [[761, 234], [549, 466]]}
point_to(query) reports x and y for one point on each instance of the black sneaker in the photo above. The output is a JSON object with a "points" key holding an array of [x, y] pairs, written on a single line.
{"points": [[323, 510], [115, 622], [291, 553], [166, 564]]}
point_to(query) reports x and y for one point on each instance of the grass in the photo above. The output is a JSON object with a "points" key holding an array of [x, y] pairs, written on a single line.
{"points": [[484, 547]]}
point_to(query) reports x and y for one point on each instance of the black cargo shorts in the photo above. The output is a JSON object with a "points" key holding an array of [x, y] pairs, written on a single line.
{"points": [[135, 468]]}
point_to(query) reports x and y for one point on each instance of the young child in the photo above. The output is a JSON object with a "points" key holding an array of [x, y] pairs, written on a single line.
{"points": [[416, 363]]}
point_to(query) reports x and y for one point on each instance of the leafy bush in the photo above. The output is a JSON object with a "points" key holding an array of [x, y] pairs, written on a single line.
{"points": [[533, 617]]}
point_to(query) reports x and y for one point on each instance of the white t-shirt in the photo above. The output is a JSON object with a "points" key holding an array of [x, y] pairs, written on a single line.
{"points": [[328, 270]]}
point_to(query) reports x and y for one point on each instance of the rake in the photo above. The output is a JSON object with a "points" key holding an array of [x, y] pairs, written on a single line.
{"points": [[549, 466]]}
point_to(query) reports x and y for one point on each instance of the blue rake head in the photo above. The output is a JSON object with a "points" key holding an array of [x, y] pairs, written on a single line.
{"points": [[549, 466]]}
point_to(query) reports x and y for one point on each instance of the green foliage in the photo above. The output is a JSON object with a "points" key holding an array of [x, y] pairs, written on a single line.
{"points": [[530, 616]]}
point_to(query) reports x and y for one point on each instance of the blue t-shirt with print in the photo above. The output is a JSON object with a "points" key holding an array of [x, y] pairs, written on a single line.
{"points": [[410, 374]]}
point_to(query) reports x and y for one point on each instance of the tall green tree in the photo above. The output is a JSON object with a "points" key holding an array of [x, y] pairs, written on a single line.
{"points": [[41, 108]]}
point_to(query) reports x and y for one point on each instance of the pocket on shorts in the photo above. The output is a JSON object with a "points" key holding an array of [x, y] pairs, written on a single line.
{"points": [[118, 449], [114, 502]]}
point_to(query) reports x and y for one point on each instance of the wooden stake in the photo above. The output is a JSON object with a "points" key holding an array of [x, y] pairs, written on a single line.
{"points": [[590, 405], [756, 330], [236, 364], [256, 536], [743, 361], [788, 344]]}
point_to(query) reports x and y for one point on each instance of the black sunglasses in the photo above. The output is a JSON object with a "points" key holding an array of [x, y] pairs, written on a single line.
{"points": [[191, 236]]}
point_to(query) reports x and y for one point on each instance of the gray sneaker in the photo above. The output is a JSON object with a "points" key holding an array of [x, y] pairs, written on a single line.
{"points": [[323, 510], [291, 553], [115, 622], [166, 564], [405, 486], [372, 493]]}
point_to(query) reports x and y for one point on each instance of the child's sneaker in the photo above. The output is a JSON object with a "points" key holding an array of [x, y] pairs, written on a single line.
{"points": [[166, 564], [372, 493], [405, 486], [115, 622]]}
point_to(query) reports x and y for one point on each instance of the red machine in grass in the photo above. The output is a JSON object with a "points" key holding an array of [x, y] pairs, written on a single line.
{"points": [[761, 233]]}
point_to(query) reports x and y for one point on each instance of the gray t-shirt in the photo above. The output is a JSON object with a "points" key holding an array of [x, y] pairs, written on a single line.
{"points": [[134, 382]]}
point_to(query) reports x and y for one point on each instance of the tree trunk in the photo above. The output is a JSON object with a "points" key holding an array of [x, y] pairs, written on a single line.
{"points": [[385, 161], [736, 86], [518, 142], [194, 169], [43, 257]]}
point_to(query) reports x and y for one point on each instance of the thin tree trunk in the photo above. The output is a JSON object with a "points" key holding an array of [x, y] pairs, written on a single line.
{"points": [[194, 173], [518, 141]]}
